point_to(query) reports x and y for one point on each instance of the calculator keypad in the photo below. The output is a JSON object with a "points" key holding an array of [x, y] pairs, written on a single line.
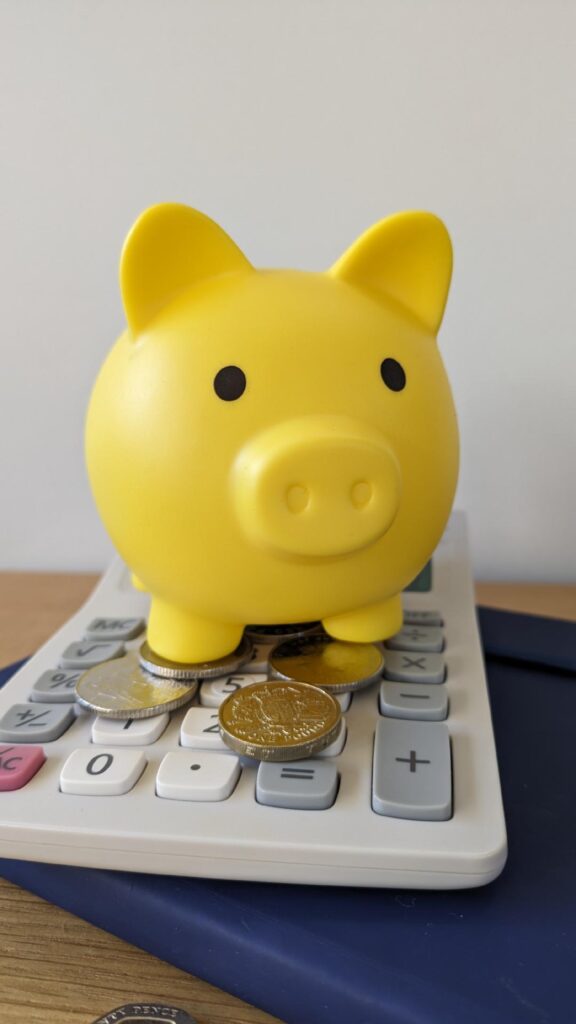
{"points": [[114, 629], [215, 691], [57, 687], [412, 667], [87, 653], [200, 730], [93, 772], [423, 703], [417, 638], [132, 732], [18, 765]]}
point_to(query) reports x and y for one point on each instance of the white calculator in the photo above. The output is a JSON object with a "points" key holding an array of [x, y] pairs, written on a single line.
{"points": [[407, 795]]}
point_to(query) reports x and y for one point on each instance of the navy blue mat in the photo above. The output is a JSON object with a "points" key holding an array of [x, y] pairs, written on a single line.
{"points": [[503, 954]]}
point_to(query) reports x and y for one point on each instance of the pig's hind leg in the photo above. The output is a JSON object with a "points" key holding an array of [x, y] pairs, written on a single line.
{"points": [[179, 635], [367, 625]]}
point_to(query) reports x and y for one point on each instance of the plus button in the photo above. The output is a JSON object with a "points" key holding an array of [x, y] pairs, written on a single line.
{"points": [[413, 760]]}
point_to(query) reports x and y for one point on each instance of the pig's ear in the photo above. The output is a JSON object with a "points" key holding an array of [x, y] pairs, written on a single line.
{"points": [[407, 257], [170, 248]]}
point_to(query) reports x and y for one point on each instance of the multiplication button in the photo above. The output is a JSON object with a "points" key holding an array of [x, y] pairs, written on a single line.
{"points": [[411, 667], [300, 785], [404, 700], [91, 772], [412, 775]]}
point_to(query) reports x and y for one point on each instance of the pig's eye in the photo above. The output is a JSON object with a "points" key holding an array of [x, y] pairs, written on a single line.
{"points": [[230, 383], [393, 375]]}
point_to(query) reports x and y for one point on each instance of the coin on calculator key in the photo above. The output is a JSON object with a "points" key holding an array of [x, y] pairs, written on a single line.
{"points": [[279, 721], [121, 689], [334, 665], [158, 666], [278, 633]]}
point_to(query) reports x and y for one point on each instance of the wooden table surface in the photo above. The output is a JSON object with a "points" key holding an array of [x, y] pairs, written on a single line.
{"points": [[57, 969]]}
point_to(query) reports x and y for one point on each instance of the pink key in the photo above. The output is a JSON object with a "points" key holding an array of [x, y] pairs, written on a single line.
{"points": [[18, 764]]}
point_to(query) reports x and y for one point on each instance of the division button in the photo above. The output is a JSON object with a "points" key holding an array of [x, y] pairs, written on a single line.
{"points": [[411, 667], [93, 772], [56, 687], [205, 776], [300, 785], [412, 771], [35, 723], [422, 618], [115, 629], [405, 700], [18, 765], [87, 653], [417, 638]]}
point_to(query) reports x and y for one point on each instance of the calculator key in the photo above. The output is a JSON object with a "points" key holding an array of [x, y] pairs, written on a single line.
{"points": [[201, 729], [417, 638], [258, 660], [129, 732], [56, 687], [213, 692], [114, 629], [35, 723], [422, 618], [405, 700], [337, 745], [18, 765], [101, 772], [411, 667], [344, 700], [300, 785], [197, 776], [87, 653], [412, 772]]}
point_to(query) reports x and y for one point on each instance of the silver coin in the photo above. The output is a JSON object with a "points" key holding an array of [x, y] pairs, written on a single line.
{"points": [[121, 689], [152, 662], [334, 665], [279, 633]]}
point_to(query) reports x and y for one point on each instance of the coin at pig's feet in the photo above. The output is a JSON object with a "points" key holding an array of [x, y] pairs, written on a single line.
{"points": [[158, 666], [122, 689], [279, 721], [279, 633], [334, 665]]}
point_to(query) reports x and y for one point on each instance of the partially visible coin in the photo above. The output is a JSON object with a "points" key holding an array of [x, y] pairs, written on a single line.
{"points": [[290, 631], [158, 666], [146, 1013], [121, 689], [334, 665], [279, 721]]}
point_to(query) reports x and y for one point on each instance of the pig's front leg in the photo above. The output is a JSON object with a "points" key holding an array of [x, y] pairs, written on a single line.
{"points": [[180, 635], [366, 625]]}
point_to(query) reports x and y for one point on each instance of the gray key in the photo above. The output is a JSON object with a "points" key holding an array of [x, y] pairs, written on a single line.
{"points": [[412, 667], [303, 785], [56, 687], [115, 629], [405, 700], [411, 773], [35, 723], [417, 638], [422, 618], [87, 653]]}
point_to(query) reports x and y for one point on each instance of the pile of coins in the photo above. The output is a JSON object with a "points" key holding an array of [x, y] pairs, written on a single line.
{"points": [[293, 715]]}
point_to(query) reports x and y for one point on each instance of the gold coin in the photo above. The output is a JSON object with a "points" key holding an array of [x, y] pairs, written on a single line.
{"points": [[121, 689], [159, 666], [334, 665], [279, 721]]}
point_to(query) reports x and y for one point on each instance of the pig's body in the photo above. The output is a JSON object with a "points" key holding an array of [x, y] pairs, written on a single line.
{"points": [[274, 446]]}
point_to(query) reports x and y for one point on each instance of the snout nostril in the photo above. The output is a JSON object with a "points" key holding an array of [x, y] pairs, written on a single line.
{"points": [[297, 498], [361, 493]]}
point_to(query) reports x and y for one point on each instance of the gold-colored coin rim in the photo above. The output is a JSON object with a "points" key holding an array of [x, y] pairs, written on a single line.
{"points": [[270, 752], [188, 691], [333, 688]]}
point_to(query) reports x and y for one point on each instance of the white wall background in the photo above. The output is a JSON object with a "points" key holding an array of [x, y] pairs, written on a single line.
{"points": [[296, 124]]}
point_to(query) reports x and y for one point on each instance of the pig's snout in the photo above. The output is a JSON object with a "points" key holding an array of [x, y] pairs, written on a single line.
{"points": [[317, 487]]}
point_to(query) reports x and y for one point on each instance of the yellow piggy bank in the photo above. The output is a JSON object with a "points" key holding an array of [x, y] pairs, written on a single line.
{"points": [[273, 446]]}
